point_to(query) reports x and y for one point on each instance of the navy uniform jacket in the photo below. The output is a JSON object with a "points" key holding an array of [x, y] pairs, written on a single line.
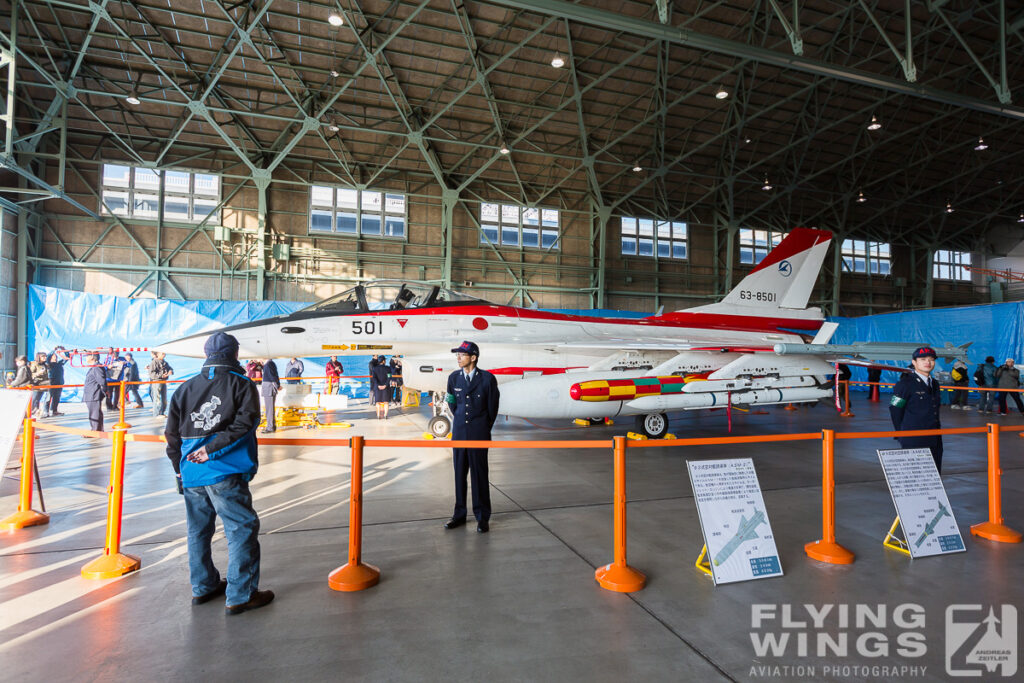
{"points": [[914, 406], [475, 405], [95, 384]]}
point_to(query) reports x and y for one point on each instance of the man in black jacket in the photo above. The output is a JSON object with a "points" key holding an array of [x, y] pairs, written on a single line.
{"points": [[271, 385], [95, 391], [55, 368], [915, 405], [473, 397], [211, 442]]}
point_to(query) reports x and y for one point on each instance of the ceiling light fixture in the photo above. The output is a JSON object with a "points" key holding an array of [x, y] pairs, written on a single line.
{"points": [[767, 186], [981, 146], [861, 198], [504, 148], [949, 207], [747, 141], [333, 127], [334, 73], [874, 125], [334, 19], [637, 168], [133, 98], [721, 94], [1020, 218], [557, 61]]}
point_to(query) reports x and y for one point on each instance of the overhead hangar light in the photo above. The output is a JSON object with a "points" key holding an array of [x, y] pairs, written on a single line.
{"points": [[637, 168], [1020, 218], [721, 94], [767, 186], [981, 146], [334, 19], [133, 98], [861, 198], [949, 207], [874, 125], [557, 61], [504, 148]]}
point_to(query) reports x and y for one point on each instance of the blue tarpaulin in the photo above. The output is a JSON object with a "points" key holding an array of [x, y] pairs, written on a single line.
{"points": [[93, 321]]}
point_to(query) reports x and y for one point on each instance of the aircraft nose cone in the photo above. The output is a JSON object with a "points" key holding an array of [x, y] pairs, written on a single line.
{"points": [[189, 347]]}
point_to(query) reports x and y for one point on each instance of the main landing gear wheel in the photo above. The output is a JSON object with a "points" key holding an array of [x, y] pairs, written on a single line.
{"points": [[439, 426], [596, 420], [652, 425]]}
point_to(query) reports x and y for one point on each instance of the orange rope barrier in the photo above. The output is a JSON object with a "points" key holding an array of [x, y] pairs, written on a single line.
{"points": [[26, 516], [619, 576], [112, 562], [354, 575], [994, 529], [826, 549]]}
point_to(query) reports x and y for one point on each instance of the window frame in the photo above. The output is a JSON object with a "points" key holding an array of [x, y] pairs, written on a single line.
{"points": [[502, 231], [877, 257], [362, 208], [136, 197], [650, 235], [771, 239], [951, 262]]}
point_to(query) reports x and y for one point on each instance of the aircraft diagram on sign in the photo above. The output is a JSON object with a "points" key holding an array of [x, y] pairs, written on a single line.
{"points": [[759, 345]]}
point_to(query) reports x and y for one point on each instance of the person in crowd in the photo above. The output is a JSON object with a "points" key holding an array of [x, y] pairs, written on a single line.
{"points": [[131, 374], [115, 373], [159, 371], [293, 371], [845, 390], [40, 378], [874, 376], [271, 384], [985, 376], [211, 443], [22, 375], [380, 386], [915, 404], [55, 370], [960, 379], [473, 397], [254, 370], [396, 380], [334, 370], [94, 393], [1008, 377]]}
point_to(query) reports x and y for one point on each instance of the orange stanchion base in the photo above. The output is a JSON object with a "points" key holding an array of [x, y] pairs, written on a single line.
{"points": [[22, 519], [996, 532], [846, 413], [620, 578], [353, 577], [790, 406], [833, 553], [111, 566]]}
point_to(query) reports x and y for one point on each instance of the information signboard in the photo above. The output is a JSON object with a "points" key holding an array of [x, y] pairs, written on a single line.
{"points": [[733, 518], [929, 526], [13, 404]]}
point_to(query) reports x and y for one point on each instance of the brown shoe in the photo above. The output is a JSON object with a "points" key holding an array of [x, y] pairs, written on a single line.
{"points": [[216, 592], [257, 600]]}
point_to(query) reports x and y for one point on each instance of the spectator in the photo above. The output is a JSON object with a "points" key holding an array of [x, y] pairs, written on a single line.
{"points": [[960, 379], [95, 391], [55, 370], [985, 376], [211, 442], [396, 380], [254, 370], [380, 386], [39, 378], [131, 374], [115, 373], [271, 385], [1008, 377], [22, 375], [159, 371], [293, 371], [334, 371]]}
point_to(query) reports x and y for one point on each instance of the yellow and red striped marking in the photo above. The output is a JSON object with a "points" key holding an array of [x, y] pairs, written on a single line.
{"points": [[627, 389]]}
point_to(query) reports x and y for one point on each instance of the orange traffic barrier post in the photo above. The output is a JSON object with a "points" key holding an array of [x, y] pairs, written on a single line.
{"points": [[994, 529], [26, 516], [827, 550], [122, 391], [112, 562], [619, 576], [790, 406], [846, 401], [355, 576]]}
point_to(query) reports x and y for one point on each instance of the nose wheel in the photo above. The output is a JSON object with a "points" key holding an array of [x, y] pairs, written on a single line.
{"points": [[439, 426], [652, 425]]}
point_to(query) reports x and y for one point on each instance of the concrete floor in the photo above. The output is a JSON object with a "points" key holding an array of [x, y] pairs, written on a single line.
{"points": [[519, 603]]}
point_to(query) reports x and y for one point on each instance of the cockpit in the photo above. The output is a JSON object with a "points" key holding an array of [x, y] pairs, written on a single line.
{"points": [[390, 295]]}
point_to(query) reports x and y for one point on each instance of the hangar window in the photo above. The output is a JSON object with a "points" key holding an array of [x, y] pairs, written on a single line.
{"points": [[649, 237], [345, 211], [510, 225], [860, 256], [949, 265], [134, 192], [755, 244]]}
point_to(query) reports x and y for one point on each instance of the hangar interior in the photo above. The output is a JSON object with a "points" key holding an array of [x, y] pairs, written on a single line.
{"points": [[594, 155]]}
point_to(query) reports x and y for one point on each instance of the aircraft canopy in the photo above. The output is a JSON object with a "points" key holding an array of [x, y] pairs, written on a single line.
{"points": [[390, 295]]}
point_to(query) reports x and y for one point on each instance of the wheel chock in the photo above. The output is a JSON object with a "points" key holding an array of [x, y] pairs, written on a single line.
{"points": [[581, 422], [428, 436], [669, 435], [636, 437], [609, 421]]}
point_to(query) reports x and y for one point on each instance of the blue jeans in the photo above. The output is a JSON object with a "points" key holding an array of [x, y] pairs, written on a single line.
{"points": [[231, 500], [987, 401], [158, 394]]}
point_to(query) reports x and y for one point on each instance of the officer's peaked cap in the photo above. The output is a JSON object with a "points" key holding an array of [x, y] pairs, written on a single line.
{"points": [[924, 351], [467, 347]]}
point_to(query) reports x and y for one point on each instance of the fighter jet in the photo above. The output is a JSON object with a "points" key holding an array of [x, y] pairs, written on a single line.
{"points": [[553, 365]]}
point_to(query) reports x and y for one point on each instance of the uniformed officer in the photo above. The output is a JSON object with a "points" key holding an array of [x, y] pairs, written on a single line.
{"points": [[473, 398], [915, 404]]}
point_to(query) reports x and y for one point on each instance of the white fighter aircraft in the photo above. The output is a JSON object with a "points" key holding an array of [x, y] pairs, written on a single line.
{"points": [[568, 366]]}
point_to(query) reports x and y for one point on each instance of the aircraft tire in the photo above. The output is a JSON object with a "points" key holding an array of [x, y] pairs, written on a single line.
{"points": [[652, 425], [596, 420], [440, 426]]}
